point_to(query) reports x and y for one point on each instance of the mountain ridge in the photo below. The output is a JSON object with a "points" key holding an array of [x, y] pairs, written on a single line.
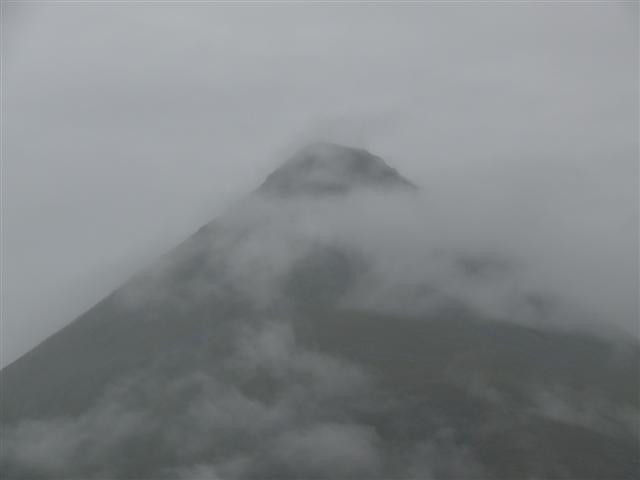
{"points": [[329, 168], [244, 353]]}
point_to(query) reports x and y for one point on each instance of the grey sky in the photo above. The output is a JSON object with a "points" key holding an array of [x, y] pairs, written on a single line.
{"points": [[127, 126]]}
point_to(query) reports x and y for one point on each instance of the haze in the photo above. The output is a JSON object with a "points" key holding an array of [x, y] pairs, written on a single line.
{"points": [[128, 126]]}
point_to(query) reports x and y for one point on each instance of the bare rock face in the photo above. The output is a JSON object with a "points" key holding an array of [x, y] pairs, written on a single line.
{"points": [[325, 168]]}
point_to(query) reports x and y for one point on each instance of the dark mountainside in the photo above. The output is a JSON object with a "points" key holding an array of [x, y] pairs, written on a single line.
{"points": [[275, 343], [309, 172]]}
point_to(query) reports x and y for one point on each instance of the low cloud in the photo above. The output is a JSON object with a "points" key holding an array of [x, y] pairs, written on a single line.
{"points": [[407, 252], [330, 451], [266, 408]]}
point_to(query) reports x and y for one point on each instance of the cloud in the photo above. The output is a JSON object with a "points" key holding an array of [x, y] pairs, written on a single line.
{"points": [[69, 446], [330, 450], [521, 120], [586, 409], [196, 472], [520, 125], [441, 457], [264, 408], [401, 252]]}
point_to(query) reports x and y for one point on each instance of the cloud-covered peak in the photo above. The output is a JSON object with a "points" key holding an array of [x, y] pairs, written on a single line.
{"points": [[327, 168]]}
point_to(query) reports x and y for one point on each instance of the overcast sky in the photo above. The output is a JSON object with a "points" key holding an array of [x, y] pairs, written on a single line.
{"points": [[126, 126]]}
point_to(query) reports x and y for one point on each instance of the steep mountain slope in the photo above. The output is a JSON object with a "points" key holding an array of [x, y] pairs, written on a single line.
{"points": [[292, 338], [324, 168]]}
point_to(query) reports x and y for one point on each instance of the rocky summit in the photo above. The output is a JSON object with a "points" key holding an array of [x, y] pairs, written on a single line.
{"points": [[326, 168]]}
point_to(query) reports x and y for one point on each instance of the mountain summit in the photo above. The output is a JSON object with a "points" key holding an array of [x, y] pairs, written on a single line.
{"points": [[313, 337], [328, 168]]}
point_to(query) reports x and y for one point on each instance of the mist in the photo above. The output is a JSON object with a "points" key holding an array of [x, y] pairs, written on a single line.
{"points": [[412, 242], [128, 127], [471, 314]]}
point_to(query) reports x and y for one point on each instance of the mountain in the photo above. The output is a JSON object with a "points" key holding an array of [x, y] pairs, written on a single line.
{"points": [[315, 330], [325, 168]]}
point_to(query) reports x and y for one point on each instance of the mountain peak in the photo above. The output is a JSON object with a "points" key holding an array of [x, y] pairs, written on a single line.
{"points": [[328, 168]]}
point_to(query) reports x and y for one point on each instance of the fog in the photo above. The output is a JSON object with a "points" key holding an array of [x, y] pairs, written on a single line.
{"points": [[404, 252], [276, 408], [249, 436], [127, 127], [458, 330]]}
